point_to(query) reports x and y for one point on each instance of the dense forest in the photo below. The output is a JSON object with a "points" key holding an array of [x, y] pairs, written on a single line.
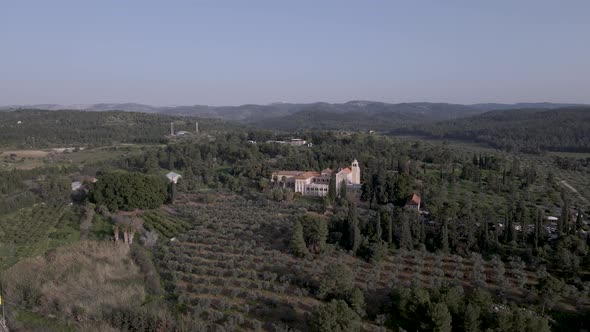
{"points": [[41, 129], [526, 130]]}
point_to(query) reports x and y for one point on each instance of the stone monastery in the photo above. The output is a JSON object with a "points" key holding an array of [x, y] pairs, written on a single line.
{"points": [[317, 183]]}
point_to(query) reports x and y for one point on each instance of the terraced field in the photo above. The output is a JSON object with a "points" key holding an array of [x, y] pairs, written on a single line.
{"points": [[233, 269], [30, 231]]}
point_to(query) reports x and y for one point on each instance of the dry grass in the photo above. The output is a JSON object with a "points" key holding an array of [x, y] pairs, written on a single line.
{"points": [[76, 281]]}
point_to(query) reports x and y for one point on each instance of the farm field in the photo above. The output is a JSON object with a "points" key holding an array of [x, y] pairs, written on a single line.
{"points": [[31, 231], [30, 159], [230, 262]]}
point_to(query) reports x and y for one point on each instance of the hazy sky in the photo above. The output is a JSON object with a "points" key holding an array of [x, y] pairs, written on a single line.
{"points": [[248, 51]]}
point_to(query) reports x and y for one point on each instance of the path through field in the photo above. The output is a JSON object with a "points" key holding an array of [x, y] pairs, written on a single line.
{"points": [[574, 190]]}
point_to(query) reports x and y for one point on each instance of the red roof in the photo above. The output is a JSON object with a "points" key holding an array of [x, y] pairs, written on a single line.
{"points": [[346, 170], [307, 175], [414, 200], [327, 170], [287, 173]]}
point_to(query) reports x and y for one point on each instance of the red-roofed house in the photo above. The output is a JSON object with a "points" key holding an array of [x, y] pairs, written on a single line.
{"points": [[414, 202]]}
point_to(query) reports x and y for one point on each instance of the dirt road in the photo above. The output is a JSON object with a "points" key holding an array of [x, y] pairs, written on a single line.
{"points": [[574, 190]]}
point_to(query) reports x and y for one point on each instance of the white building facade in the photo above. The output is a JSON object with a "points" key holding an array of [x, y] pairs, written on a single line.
{"points": [[317, 183]]}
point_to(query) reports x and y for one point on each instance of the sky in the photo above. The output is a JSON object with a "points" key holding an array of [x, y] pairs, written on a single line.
{"points": [[238, 52]]}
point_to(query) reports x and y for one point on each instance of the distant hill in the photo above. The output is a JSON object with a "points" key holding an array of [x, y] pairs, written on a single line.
{"points": [[538, 106], [528, 130], [358, 109], [30, 128]]}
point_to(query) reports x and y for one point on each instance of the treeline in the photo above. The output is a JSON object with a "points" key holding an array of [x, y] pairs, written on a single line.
{"points": [[531, 131], [41, 129], [129, 190], [23, 188], [232, 162], [447, 308]]}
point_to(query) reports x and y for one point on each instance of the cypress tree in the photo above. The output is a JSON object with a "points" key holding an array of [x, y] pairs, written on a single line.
{"points": [[579, 223], [524, 220], [297, 243], [172, 197], [332, 189], [343, 190], [406, 238], [378, 230], [390, 229], [354, 231], [445, 237], [564, 219], [538, 225]]}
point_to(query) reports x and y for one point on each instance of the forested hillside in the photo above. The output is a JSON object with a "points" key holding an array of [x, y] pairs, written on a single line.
{"points": [[40, 128], [518, 130]]}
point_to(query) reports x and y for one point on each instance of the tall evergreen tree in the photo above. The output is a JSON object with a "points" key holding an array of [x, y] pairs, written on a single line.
{"points": [[332, 189], [523, 216], [564, 219], [444, 238], [297, 243], [579, 222], [406, 241], [538, 225], [471, 318], [343, 190], [390, 229], [378, 230], [354, 233]]}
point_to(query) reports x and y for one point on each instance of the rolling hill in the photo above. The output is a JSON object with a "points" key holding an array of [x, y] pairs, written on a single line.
{"points": [[252, 113], [41, 128], [528, 130]]}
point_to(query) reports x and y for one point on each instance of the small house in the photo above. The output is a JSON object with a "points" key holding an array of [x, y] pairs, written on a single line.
{"points": [[173, 177], [76, 185], [414, 202]]}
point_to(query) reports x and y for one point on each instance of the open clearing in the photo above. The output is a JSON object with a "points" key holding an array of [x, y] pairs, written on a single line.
{"points": [[25, 153]]}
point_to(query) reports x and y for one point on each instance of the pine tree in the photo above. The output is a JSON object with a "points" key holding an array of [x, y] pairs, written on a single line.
{"points": [[440, 318], [471, 318], [297, 243], [356, 299]]}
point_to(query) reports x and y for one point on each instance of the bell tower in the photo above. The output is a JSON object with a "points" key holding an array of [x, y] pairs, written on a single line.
{"points": [[356, 172]]}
